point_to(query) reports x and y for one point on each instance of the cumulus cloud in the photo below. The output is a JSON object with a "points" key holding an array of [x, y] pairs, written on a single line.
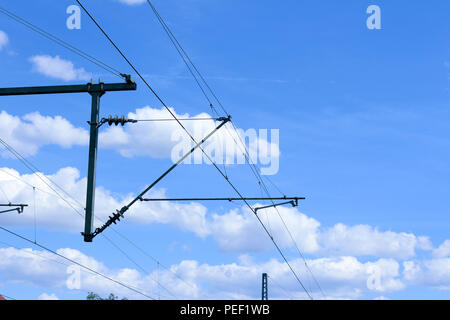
{"points": [[338, 270], [46, 296], [42, 269], [168, 139], [32, 131], [3, 39], [152, 139], [146, 139], [234, 231], [55, 214], [443, 251], [340, 278], [431, 273], [58, 68], [239, 230], [364, 240]]}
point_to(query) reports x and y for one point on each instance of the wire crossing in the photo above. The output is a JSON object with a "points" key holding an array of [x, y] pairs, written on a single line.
{"points": [[75, 262], [120, 213], [35, 170], [61, 42], [192, 138], [184, 55]]}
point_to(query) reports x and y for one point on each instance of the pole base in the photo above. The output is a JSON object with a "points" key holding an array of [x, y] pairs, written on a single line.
{"points": [[87, 237]]}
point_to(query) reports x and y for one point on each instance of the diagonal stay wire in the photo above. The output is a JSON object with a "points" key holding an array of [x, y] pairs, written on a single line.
{"points": [[246, 153], [4, 193], [152, 258], [75, 262], [35, 253], [180, 47], [192, 138], [137, 265], [177, 45], [183, 54], [60, 42], [94, 60], [279, 286], [7, 297], [274, 185], [83, 55], [31, 166], [28, 184], [35, 170], [296, 244], [264, 227]]}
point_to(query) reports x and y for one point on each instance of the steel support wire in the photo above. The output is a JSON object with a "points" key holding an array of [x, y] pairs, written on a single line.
{"points": [[77, 263], [192, 138], [119, 213], [61, 42]]}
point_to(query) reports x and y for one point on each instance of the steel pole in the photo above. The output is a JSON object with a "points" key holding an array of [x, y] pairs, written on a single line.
{"points": [[92, 166]]}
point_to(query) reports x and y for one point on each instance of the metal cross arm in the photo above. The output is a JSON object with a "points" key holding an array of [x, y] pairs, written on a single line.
{"points": [[96, 91], [226, 199], [90, 88], [89, 236]]}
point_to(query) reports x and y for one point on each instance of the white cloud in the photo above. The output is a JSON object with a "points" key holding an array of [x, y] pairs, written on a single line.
{"points": [[149, 139], [42, 269], [443, 251], [3, 39], [58, 68], [168, 139], [411, 270], [152, 139], [46, 296], [431, 273], [234, 231], [55, 214], [364, 240], [437, 273], [340, 278], [239, 231], [32, 131]]}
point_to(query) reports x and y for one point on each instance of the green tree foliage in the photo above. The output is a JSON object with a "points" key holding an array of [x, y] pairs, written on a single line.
{"points": [[94, 296]]}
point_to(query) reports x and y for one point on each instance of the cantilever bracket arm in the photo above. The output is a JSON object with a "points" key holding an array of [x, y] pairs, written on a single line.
{"points": [[294, 204], [119, 213], [18, 207]]}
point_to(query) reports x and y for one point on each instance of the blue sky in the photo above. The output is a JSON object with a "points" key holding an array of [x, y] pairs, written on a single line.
{"points": [[363, 135]]}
